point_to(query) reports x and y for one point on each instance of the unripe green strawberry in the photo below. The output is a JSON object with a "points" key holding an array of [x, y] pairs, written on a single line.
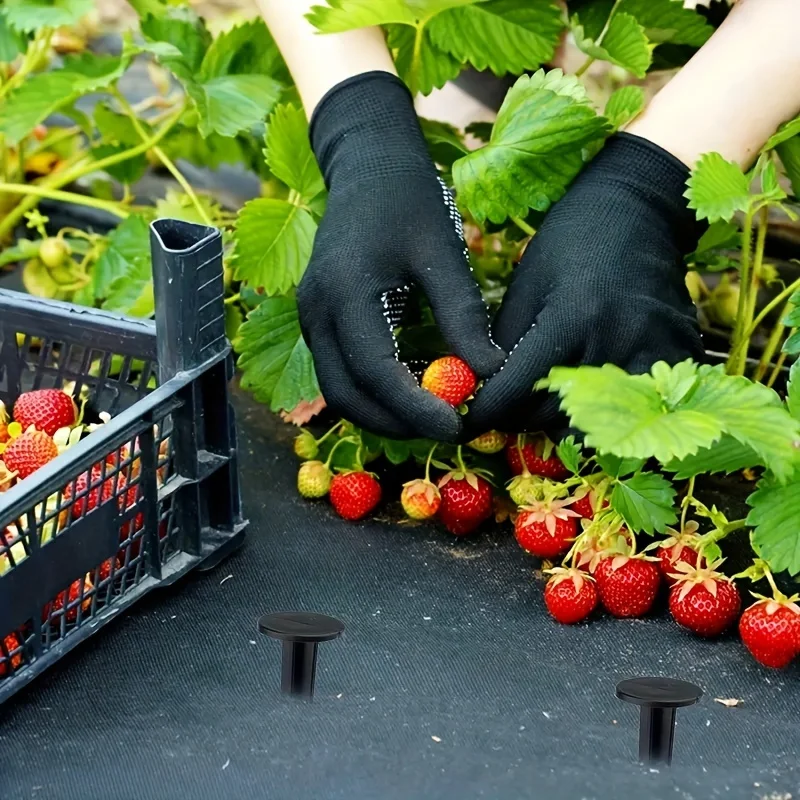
{"points": [[53, 252], [420, 499], [313, 479], [489, 442], [525, 489], [305, 445]]}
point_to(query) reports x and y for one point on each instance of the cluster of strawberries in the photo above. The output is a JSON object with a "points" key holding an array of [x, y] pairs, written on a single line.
{"points": [[562, 516], [45, 422]]}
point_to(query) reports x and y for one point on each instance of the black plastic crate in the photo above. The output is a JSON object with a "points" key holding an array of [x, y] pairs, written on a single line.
{"points": [[147, 496]]}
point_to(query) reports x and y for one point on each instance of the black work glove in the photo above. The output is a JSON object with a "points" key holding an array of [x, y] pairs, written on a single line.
{"points": [[602, 281], [390, 222]]}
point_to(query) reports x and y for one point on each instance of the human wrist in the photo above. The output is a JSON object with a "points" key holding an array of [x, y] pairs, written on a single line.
{"points": [[366, 126]]}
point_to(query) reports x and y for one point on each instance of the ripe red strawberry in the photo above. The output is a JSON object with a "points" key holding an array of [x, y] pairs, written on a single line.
{"points": [[585, 504], [704, 601], [466, 501], [355, 494], [570, 595], [46, 409], [628, 585], [678, 547], [546, 528], [314, 479], [489, 443], [770, 630], [95, 497], [420, 499], [70, 599], [450, 379], [539, 454], [28, 452], [11, 643], [104, 572]]}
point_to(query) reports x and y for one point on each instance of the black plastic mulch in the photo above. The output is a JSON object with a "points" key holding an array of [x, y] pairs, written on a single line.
{"points": [[450, 682]]}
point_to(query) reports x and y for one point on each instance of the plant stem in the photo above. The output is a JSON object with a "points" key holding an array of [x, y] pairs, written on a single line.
{"points": [[54, 138], [755, 277], [428, 462], [686, 501], [753, 326], [776, 370], [58, 179], [168, 163], [775, 337], [32, 190], [330, 432], [744, 283], [583, 67], [523, 226], [234, 298], [37, 48]]}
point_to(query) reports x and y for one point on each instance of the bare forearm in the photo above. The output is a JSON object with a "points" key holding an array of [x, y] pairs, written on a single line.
{"points": [[320, 61], [733, 94]]}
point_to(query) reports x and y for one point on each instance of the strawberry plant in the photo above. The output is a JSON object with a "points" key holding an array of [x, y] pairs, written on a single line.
{"points": [[625, 503]]}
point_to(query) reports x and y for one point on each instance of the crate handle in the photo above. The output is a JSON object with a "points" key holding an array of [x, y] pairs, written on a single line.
{"points": [[189, 291]]}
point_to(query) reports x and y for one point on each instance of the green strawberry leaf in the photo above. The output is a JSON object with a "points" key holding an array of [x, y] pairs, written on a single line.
{"points": [[775, 517], [618, 467], [43, 94], [783, 134], [625, 104], [793, 391], [12, 43], [480, 130], [502, 35], [123, 268], [569, 451], [726, 455], [178, 205], [233, 103], [184, 30], [444, 142], [345, 15], [676, 382], [717, 189], [719, 235], [288, 152], [29, 16], [276, 365], [789, 154], [535, 149], [117, 128], [645, 501], [628, 416], [273, 244], [623, 43], [668, 21], [422, 65], [792, 344]]}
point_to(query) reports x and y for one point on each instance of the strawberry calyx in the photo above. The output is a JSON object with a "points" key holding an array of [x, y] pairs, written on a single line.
{"points": [[547, 512], [577, 576], [687, 577], [773, 604], [463, 473], [678, 540]]}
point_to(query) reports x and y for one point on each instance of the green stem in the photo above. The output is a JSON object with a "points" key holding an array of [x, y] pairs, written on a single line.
{"points": [[776, 370], [583, 67], [37, 48], [744, 284], [428, 462], [333, 449], [234, 298], [32, 190], [755, 278], [686, 501], [753, 326], [775, 337], [523, 226], [59, 179], [460, 459], [776, 592], [53, 138], [329, 433], [168, 163]]}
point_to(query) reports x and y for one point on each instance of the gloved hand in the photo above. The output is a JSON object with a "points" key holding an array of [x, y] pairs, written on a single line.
{"points": [[602, 281], [390, 222]]}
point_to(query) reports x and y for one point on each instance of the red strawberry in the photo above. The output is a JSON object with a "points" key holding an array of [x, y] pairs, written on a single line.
{"points": [[93, 499], [70, 599], [770, 630], [105, 568], [28, 452], [570, 595], [704, 601], [628, 585], [678, 547], [539, 455], [545, 529], [585, 505], [420, 499], [466, 501], [46, 409], [11, 643], [450, 379], [355, 494]]}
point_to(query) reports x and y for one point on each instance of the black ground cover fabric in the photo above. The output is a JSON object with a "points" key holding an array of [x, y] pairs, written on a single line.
{"points": [[179, 699]]}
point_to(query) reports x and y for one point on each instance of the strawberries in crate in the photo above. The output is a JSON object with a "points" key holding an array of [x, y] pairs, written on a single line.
{"points": [[28, 452], [11, 659], [46, 410], [69, 599]]}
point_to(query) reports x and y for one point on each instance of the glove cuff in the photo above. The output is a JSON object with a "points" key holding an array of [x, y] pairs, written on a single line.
{"points": [[366, 127], [657, 176]]}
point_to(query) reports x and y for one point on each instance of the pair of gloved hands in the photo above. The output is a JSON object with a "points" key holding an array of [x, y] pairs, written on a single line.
{"points": [[602, 280]]}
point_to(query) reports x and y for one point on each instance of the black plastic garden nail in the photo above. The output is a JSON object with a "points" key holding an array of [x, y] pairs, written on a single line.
{"points": [[657, 698], [300, 632]]}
